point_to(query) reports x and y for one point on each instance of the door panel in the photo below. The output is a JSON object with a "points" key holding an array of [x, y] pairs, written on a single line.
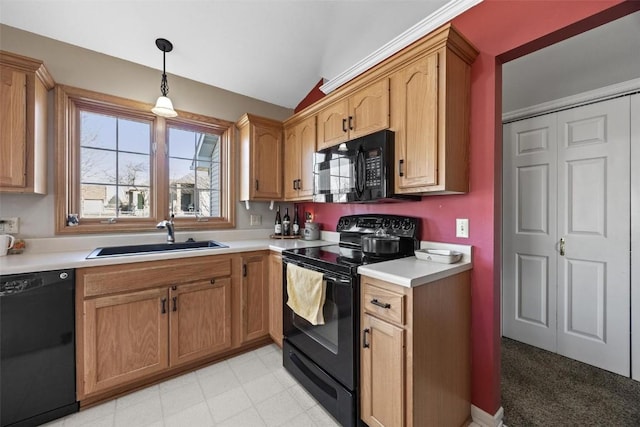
{"points": [[529, 229], [594, 219], [566, 233]]}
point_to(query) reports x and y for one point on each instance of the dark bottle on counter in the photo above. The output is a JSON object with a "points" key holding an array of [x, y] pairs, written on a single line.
{"points": [[278, 226], [286, 223], [295, 227]]}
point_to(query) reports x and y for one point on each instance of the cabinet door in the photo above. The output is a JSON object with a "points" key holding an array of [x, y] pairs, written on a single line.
{"points": [[306, 132], [275, 298], [332, 124], [200, 319], [125, 338], [415, 118], [267, 162], [382, 373], [255, 297], [369, 109], [291, 163], [13, 128]]}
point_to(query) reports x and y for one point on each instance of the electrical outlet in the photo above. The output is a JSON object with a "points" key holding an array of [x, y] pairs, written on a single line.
{"points": [[462, 227], [10, 225], [255, 220]]}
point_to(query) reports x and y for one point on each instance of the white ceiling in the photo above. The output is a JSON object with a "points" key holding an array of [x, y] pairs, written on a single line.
{"points": [[601, 57], [272, 50]]}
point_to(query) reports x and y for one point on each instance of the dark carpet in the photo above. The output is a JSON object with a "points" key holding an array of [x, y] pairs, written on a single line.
{"points": [[540, 388]]}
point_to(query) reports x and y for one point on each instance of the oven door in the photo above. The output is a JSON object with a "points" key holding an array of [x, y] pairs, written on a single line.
{"points": [[330, 346]]}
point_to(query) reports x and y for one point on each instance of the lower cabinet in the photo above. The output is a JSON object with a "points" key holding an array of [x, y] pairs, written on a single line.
{"points": [[415, 353], [125, 338], [199, 319], [255, 296], [275, 298], [136, 322]]}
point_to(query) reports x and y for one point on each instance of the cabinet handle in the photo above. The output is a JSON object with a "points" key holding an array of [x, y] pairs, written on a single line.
{"points": [[562, 242], [164, 305], [213, 281], [244, 270], [381, 304], [175, 304], [400, 163], [365, 344], [344, 125], [350, 122], [257, 185], [295, 184]]}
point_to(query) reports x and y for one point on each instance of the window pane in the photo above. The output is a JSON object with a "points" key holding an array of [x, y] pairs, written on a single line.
{"points": [[134, 136], [97, 201], [194, 171], [133, 169], [97, 166], [97, 130], [182, 143], [133, 202]]}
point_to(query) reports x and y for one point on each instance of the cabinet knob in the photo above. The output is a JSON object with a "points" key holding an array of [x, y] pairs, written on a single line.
{"points": [[213, 281]]}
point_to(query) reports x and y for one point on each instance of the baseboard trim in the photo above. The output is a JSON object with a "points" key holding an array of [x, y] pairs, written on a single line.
{"points": [[481, 418]]}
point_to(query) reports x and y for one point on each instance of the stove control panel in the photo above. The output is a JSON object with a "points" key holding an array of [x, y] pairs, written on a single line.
{"points": [[403, 226]]}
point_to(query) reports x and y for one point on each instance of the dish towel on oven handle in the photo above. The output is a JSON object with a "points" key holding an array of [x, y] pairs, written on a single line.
{"points": [[306, 289]]}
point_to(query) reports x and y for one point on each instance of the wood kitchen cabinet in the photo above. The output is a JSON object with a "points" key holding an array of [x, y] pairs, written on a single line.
{"points": [[299, 150], [275, 298], [255, 296], [415, 353], [261, 170], [24, 83], [430, 103], [363, 112], [139, 320]]}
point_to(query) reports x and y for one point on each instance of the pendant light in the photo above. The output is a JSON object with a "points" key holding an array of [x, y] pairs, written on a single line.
{"points": [[164, 106]]}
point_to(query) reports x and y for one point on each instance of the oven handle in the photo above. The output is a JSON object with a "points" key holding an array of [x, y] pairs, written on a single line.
{"points": [[325, 276]]}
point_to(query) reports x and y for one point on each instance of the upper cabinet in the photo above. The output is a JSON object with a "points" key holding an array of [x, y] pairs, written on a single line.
{"points": [[260, 158], [422, 94], [23, 124], [299, 149], [430, 105], [362, 113]]}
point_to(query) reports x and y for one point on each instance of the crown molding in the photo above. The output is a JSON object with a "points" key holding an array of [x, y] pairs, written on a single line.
{"points": [[438, 18], [601, 94]]}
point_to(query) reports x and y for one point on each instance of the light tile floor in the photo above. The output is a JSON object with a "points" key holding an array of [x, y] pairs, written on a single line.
{"points": [[249, 390]]}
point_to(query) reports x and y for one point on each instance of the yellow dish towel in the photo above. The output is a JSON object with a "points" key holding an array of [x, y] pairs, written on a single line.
{"points": [[306, 291]]}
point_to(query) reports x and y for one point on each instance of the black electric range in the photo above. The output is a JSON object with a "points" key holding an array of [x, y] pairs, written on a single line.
{"points": [[325, 358]]}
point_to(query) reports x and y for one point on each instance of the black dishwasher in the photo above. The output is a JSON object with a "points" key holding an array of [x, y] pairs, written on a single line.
{"points": [[37, 347]]}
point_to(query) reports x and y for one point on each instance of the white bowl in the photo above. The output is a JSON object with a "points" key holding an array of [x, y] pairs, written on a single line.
{"points": [[438, 255]]}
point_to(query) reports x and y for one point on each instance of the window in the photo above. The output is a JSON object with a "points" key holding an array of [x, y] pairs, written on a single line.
{"points": [[121, 168]]}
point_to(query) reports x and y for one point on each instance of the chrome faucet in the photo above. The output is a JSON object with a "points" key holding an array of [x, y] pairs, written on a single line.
{"points": [[170, 229]]}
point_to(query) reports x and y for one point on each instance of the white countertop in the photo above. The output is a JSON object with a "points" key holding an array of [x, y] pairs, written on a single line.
{"points": [[32, 262], [61, 253], [412, 272]]}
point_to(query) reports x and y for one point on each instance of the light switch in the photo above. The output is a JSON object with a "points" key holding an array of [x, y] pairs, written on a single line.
{"points": [[10, 225], [255, 220]]}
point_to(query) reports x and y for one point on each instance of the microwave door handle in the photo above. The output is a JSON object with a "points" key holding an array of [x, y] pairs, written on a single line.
{"points": [[360, 183]]}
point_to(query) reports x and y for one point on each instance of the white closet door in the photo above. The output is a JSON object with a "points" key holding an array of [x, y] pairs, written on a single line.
{"points": [[594, 220], [529, 231], [635, 237]]}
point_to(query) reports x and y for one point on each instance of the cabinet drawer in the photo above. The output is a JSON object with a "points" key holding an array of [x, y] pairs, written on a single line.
{"points": [[384, 304]]}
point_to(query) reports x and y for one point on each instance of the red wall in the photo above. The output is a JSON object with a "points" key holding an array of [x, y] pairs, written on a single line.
{"points": [[501, 30]]}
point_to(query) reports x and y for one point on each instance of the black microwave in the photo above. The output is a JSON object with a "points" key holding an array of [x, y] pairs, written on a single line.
{"points": [[357, 171]]}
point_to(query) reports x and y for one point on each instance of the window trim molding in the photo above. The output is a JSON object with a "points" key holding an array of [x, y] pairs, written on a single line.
{"points": [[66, 170]]}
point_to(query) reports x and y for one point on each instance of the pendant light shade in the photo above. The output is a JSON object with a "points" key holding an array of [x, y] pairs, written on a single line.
{"points": [[164, 106]]}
